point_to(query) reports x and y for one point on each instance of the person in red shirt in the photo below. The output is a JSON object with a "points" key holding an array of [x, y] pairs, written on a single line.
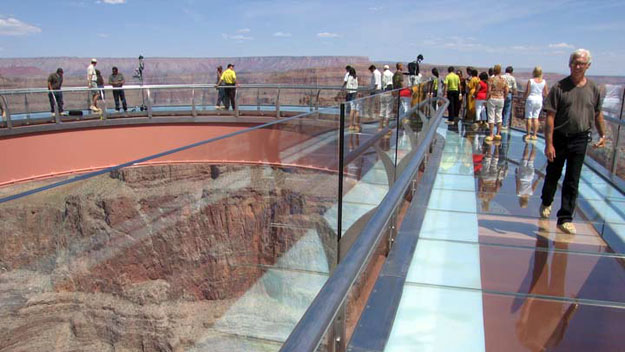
{"points": [[480, 98]]}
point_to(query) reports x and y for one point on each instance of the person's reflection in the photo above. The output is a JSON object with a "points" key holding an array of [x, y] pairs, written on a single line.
{"points": [[492, 174], [267, 142], [526, 180], [354, 168], [542, 323]]}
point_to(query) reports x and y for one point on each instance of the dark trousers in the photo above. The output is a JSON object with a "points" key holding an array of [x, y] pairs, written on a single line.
{"points": [[454, 104], [507, 110], [59, 100], [119, 94], [571, 149], [231, 92], [221, 96]]}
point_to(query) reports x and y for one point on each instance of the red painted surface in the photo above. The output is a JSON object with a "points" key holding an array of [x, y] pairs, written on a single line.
{"points": [[42, 155]]}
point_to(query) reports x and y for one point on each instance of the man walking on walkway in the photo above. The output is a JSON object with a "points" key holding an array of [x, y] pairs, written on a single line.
{"points": [[572, 106]]}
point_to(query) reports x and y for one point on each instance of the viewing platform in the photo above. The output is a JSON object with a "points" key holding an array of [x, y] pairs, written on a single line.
{"points": [[274, 226]]}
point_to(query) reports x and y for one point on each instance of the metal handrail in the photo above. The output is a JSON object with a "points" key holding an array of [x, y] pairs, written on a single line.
{"points": [[309, 331], [174, 86]]}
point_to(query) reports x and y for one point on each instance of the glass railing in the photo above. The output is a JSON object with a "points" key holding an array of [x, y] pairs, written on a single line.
{"points": [[38, 106], [221, 244]]}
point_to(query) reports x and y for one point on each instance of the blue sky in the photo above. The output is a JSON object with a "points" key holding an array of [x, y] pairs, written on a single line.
{"points": [[518, 33]]}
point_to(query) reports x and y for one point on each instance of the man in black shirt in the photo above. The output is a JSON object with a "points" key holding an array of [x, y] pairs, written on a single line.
{"points": [[413, 70], [572, 106]]}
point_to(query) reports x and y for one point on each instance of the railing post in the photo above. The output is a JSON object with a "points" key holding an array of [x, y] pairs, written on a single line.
{"points": [[149, 102], [57, 114], [7, 113], [278, 104], [27, 107], [258, 99], [104, 113], [193, 110], [341, 170], [317, 100], [204, 99], [236, 102]]}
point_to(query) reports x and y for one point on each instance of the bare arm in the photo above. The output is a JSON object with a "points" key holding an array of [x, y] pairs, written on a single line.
{"points": [[550, 151], [545, 90], [527, 90]]}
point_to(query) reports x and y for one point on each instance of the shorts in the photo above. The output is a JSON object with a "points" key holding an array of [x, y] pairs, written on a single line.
{"points": [[495, 107], [353, 104], [94, 92], [533, 108]]}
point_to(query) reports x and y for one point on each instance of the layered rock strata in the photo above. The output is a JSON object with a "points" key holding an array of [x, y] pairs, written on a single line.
{"points": [[148, 258]]}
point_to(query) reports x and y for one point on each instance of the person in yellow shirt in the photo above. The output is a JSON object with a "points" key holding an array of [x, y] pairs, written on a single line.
{"points": [[452, 92], [474, 82], [229, 79]]}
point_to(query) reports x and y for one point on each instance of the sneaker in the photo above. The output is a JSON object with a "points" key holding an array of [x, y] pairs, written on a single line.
{"points": [[504, 128], [534, 137], [488, 139], [567, 227], [498, 137], [526, 138], [545, 211]]}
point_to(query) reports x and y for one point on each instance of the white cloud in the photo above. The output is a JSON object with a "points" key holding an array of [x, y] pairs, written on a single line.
{"points": [[112, 2], [327, 35], [376, 8], [13, 26], [103, 35], [244, 30], [282, 34], [561, 46], [237, 37]]}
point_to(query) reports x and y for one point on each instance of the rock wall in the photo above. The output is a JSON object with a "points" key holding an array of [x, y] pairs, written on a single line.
{"points": [[147, 258]]}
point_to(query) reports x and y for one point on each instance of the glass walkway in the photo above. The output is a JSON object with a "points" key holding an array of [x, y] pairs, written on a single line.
{"points": [[488, 274], [308, 229]]}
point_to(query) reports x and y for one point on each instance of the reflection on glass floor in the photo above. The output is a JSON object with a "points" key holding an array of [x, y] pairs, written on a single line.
{"points": [[488, 274]]}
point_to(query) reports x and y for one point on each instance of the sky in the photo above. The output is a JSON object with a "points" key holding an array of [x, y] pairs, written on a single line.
{"points": [[447, 32]]}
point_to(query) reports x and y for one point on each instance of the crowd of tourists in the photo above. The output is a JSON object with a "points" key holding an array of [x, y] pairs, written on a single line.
{"points": [[95, 82]]}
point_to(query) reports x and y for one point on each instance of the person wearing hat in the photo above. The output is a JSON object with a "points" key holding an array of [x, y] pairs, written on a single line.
{"points": [[55, 81], [92, 83]]}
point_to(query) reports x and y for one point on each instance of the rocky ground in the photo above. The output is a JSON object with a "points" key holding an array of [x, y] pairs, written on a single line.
{"points": [[148, 258]]}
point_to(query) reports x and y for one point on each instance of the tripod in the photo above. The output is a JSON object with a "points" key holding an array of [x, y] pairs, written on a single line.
{"points": [[139, 75]]}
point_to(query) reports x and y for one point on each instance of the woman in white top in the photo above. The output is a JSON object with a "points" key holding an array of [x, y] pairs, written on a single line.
{"points": [[535, 91], [352, 89]]}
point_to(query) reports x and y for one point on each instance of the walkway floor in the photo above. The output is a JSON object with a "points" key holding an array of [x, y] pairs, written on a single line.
{"points": [[488, 274]]}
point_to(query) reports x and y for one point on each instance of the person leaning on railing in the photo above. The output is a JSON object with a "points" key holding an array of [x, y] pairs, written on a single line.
{"points": [[55, 81], [229, 79]]}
